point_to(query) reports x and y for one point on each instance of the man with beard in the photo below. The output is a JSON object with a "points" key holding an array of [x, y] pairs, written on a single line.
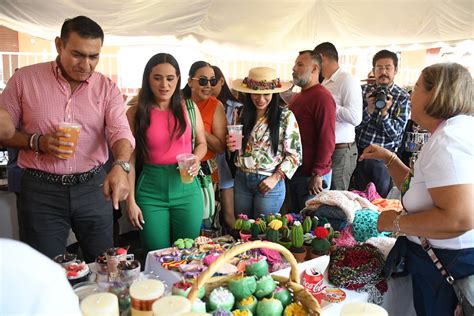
{"points": [[386, 111], [347, 94], [315, 112]]}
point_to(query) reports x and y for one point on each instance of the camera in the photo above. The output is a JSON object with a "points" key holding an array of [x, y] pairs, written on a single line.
{"points": [[380, 95]]}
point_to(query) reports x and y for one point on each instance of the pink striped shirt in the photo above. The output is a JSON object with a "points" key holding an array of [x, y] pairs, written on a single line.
{"points": [[38, 98]]}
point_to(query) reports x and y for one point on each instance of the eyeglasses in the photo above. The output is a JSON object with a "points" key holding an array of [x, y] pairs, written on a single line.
{"points": [[203, 81]]}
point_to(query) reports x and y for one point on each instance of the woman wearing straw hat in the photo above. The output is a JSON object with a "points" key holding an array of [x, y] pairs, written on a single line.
{"points": [[271, 144]]}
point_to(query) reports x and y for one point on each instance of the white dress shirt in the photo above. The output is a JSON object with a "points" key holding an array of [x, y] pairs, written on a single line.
{"points": [[347, 93]]}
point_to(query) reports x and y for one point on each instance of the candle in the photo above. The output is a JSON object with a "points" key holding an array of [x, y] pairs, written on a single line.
{"points": [[104, 304], [143, 294], [362, 309], [171, 305]]}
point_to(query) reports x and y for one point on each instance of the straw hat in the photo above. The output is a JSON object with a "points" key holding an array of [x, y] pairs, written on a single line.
{"points": [[261, 80]]}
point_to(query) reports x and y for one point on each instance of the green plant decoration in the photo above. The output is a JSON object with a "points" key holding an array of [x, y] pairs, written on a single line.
{"points": [[297, 235], [307, 224]]}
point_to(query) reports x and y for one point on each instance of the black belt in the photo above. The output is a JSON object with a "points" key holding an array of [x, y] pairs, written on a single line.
{"points": [[344, 145], [64, 179]]}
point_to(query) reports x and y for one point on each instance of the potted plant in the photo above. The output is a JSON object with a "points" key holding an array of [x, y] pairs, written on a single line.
{"points": [[285, 240], [273, 233], [320, 244], [297, 242]]}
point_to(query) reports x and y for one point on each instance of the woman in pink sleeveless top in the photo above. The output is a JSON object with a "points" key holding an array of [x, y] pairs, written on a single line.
{"points": [[162, 206]]}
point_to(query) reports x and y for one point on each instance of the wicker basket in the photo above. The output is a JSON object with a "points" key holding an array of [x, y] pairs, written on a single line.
{"points": [[300, 294]]}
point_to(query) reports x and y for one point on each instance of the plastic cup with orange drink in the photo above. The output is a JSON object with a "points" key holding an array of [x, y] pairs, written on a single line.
{"points": [[185, 161], [73, 129]]}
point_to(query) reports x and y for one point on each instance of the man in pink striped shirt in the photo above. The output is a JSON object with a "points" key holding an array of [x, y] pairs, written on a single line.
{"points": [[57, 193]]}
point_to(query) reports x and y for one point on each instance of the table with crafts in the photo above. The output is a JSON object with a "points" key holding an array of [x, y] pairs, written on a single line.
{"points": [[397, 300]]}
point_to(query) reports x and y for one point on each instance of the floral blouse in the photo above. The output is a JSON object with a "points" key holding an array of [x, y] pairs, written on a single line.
{"points": [[258, 154]]}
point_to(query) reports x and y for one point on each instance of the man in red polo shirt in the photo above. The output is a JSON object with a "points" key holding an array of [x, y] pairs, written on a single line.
{"points": [[61, 193], [315, 112]]}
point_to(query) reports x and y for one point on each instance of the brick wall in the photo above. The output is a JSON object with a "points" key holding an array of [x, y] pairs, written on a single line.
{"points": [[8, 43]]}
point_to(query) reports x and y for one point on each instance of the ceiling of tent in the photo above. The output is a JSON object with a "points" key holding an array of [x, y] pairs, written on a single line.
{"points": [[253, 24]]}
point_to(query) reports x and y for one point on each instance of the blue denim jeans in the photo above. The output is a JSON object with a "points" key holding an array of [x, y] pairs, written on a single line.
{"points": [[432, 294], [299, 192], [249, 201]]}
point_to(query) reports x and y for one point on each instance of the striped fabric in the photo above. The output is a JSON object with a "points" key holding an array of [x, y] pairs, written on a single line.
{"points": [[38, 97]]}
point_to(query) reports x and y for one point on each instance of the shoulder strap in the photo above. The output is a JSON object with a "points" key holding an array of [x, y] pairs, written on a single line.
{"points": [[192, 118], [426, 245]]}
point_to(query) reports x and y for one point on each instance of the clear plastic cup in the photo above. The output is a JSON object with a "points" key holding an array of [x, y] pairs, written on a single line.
{"points": [[235, 131], [73, 130], [185, 161]]}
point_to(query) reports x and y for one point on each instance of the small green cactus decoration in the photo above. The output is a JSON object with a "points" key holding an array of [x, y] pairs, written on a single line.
{"points": [[238, 223], [255, 230], [320, 246], [284, 221], [273, 235], [315, 222], [270, 217], [246, 226], [262, 225], [297, 235], [307, 224], [328, 226], [285, 232], [320, 243]]}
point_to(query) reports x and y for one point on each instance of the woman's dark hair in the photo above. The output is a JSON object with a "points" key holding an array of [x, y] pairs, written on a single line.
{"points": [[273, 114], [146, 101], [192, 72], [225, 94]]}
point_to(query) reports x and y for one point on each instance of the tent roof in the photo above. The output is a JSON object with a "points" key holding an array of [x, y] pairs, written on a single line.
{"points": [[257, 24]]}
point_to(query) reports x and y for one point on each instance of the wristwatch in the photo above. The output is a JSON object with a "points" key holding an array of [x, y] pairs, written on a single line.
{"points": [[124, 164]]}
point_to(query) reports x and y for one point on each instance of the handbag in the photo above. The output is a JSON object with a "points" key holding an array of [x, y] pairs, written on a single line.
{"points": [[204, 180], [395, 264], [463, 288]]}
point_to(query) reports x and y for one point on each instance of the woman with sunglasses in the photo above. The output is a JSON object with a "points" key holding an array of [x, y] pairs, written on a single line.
{"points": [[271, 145], [199, 89], [162, 206]]}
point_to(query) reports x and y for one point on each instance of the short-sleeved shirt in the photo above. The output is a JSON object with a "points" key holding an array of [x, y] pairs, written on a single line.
{"points": [[38, 98]]}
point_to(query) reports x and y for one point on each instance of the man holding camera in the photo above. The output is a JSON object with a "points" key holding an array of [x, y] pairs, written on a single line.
{"points": [[386, 110]]}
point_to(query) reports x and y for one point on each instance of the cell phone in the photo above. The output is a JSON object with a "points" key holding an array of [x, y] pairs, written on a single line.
{"points": [[325, 184]]}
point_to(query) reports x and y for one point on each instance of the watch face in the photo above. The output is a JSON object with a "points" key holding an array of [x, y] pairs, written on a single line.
{"points": [[126, 166]]}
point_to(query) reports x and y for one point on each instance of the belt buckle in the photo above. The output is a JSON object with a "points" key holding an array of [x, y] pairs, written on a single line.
{"points": [[67, 179]]}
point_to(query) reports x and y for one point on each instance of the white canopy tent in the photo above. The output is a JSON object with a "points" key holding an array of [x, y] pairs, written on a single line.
{"points": [[267, 25], [238, 34]]}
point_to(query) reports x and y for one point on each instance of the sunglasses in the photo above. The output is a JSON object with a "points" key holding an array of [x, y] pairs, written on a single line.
{"points": [[203, 81]]}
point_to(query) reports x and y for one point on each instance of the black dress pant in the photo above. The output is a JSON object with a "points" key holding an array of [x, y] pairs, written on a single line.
{"points": [[50, 210]]}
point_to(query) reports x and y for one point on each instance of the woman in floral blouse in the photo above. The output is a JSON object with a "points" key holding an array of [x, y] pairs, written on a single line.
{"points": [[271, 145]]}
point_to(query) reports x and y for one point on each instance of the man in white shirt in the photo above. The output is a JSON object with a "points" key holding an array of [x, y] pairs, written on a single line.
{"points": [[32, 284], [347, 93]]}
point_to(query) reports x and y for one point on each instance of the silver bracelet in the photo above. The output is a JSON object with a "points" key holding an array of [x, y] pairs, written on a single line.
{"points": [[396, 224]]}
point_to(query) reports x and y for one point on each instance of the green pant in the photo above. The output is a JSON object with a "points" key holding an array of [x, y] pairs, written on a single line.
{"points": [[171, 209]]}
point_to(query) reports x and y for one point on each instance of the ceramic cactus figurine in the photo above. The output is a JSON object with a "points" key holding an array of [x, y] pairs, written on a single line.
{"points": [[307, 224]]}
